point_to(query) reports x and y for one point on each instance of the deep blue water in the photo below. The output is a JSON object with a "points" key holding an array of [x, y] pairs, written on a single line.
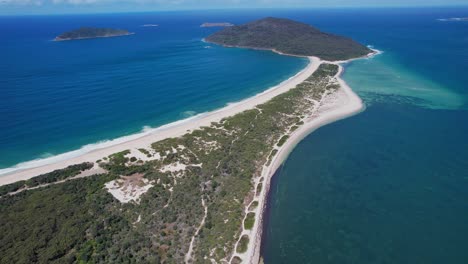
{"points": [[386, 186], [58, 96], [390, 184]]}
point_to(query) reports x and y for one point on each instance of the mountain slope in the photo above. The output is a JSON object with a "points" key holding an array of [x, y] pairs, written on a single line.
{"points": [[289, 37]]}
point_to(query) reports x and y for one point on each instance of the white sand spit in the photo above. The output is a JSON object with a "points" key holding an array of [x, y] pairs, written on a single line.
{"points": [[333, 107]]}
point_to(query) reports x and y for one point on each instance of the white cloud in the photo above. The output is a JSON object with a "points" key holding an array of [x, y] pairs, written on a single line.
{"points": [[41, 2]]}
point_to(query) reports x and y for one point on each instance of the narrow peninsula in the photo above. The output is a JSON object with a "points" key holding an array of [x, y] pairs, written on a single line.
{"points": [[88, 33], [194, 192]]}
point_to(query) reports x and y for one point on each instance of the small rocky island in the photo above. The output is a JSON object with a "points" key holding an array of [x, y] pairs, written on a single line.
{"points": [[88, 32], [289, 37], [223, 24]]}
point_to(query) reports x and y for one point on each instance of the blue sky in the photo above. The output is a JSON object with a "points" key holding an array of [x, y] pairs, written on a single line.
{"points": [[11, 7]]}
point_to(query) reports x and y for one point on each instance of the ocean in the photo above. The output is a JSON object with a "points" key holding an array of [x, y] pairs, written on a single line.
{"points": [[388, 185], [58, 97], [385, 186]]}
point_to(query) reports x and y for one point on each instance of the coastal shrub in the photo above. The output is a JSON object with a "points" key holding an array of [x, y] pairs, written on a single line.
{"points": [[243, 244], [50, 177], [144, 151], [259, 188], [272, 154], [249, 221], [253, 206], [325, 69], [80, 221], [282, 140], [236, 260], [30, 215], [13, 187], [119, 158]]}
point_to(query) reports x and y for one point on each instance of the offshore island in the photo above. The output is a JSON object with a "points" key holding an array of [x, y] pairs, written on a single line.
{"points": [[89, 32], [219, 24], [193, 192]]}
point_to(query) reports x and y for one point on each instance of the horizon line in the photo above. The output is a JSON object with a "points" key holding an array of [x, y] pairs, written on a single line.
{"points": [[235, 8]]}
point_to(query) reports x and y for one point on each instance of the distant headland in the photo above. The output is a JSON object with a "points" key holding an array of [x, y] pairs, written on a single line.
{"points": [[88, 32], [222, 24], [289, 37]]}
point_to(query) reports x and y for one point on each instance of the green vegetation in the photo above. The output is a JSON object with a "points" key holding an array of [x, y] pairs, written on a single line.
{"points": [[236, 260], [119, 157], [10, 188], [249, 221], [50, 177], [289, 37], [282, 140], [259, 189], [78, 221], [253, 206], [87, 32], [243, 244], [324, 71], [49, 225], [146, 152], [270, 158]]}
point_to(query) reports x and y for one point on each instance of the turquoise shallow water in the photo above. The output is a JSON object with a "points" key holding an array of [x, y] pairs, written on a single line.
{"points": [[384, 79], [388, 185]]}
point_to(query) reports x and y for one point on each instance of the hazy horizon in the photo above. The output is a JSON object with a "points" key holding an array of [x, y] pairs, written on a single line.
{"points": [[62, 7]]}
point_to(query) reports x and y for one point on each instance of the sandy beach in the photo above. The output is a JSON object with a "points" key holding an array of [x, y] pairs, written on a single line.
{"points": [[143, 140], [341, 104]]}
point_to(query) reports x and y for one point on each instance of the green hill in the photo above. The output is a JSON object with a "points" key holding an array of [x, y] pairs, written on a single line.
{"points": [[87, 32], [289, 37]]}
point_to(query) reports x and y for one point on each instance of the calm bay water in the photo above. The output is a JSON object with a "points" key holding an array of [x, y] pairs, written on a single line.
{"points": [[390, 184]]}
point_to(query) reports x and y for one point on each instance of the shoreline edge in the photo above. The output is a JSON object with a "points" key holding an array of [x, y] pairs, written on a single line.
{"points": [[353, 107], [93, 152]]}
